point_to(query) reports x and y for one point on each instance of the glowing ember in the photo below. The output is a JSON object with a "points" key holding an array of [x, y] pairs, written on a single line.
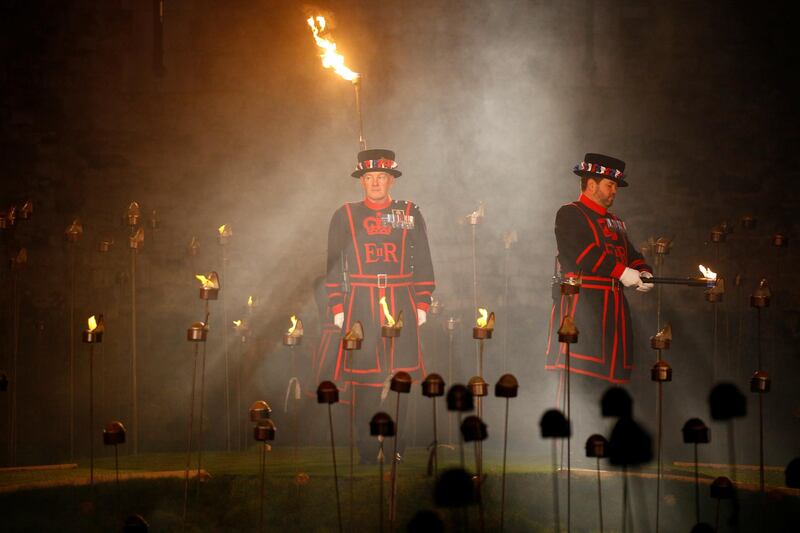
{"points": [[92, 323], [483, 319], [707, 272], [330, 57], [389, 318]]}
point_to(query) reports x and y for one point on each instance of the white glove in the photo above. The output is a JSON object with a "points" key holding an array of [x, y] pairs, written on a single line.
{"points": [[422, 317], [630, 277], [645, 287], [338, 320]]}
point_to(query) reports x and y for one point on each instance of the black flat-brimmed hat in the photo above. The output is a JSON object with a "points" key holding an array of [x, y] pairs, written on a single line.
{"points": [[376, 160], [602, 166]]}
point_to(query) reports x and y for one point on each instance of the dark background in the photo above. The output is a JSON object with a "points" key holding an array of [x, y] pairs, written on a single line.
{"points": [[237, 123]]}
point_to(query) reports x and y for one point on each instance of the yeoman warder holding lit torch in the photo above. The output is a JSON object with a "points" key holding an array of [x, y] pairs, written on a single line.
{"points": [[593, 244], [377, 248]]}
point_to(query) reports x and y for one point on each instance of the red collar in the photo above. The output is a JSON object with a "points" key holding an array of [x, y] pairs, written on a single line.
{"points": [[591, 204], [376, 207]]}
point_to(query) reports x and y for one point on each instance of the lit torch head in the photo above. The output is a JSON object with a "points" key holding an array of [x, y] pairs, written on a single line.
{"points": [[297, 327], [485, 320], [209, 282], [484, 325], [209, 286], [707, 273], [330, 57], [225, 233], [716, 285], [74, 231], [389, 318], [94, 333]]}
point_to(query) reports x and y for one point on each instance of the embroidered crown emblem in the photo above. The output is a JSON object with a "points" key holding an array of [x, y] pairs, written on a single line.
{"points": [[374, 226]]}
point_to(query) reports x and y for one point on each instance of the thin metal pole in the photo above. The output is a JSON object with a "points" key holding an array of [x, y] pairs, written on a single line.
{"points": [[696, 487], [435, 443], [295, 436], [116, 469], [91, 414], [460, 441], [263, 468], [202, 407], [761, 446], [335, 471], [71, 327], [624, 498], [479, 468], [450, 380], [393, 486], [189, 437], [352, 443], [659, 439], [599, 495], [760, 418], [505, 310], [569, 445], [380, 486], [134, 362], [362, 142], [503, 484], [556, 510], [475, 274], [14, 429], [227, 362]]}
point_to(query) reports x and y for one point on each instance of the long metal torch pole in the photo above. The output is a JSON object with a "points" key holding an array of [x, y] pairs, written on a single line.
{"points": [[659, 398], [134, 362], [227, 365], [189, 437], [475, 281], [15, 356], [91, 414], [71, 356], [362, 142], [202, 408]]}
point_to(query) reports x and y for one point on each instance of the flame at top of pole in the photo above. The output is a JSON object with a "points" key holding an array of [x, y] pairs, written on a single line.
{"points": [[389, 318], [210, 282], [95, 324], [707, 272], [330, 57], [483, 319], [297, 327]]}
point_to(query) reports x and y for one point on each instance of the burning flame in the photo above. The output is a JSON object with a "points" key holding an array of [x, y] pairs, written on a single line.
{"points": [[207, 283], [330, 57], [249, 301], [707, 272], [389, 318], [237, 323], [92, 323], [293, 318], [222, 229], [483, 319]]}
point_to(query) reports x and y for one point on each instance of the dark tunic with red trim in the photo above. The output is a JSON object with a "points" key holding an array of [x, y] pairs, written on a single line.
{"points": [[593, 242], [384, 250]]}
